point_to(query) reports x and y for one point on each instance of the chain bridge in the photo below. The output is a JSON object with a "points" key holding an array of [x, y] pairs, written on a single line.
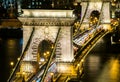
{"points": [[51, 53]]}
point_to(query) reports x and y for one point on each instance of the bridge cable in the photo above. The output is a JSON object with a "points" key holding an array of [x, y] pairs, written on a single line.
{"points": [[51, 56], [78, 30]]}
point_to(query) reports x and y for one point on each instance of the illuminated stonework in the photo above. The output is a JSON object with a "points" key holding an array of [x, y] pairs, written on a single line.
{"points": [[39, 35], [47, 13], [46, 24], [92, 6], [102, 7], [28, 67], [47, 21]]}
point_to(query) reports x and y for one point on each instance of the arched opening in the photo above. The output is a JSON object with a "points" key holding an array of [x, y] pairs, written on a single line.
{"points": [[117, 14], [94, 16], [45, 49]]}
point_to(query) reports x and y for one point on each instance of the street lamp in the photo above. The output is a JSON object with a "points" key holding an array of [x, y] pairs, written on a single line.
{"points": [[11, 63], [18, 58], [23, 75], [11, 66], [52, 47], [52, 76], [48, 52]]}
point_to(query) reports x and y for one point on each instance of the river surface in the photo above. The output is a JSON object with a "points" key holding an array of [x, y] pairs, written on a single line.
{"points": [[103, 63], [10, 50]]}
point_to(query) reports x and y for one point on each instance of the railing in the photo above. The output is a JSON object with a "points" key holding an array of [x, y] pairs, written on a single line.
{"points": [[21, 57], [88, 47]]}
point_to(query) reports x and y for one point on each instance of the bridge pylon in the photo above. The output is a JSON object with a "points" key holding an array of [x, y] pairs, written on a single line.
{"points": [[40, 29], [88, 6]]}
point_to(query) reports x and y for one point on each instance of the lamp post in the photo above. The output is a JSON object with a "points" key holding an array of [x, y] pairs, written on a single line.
{"points": [[11, 65], [23, 76], [52, 76]]}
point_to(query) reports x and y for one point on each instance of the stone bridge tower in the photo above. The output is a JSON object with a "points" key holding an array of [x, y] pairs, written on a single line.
{"points": [[46, 24]]}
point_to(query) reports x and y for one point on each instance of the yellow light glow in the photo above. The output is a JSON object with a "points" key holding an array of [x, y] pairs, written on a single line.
{"points": [[11, 42], [111, 71], [48, 52], [113, 4], [52, 47], [11, 63], [75, 4], [51, 73], [95, 18], [106, 27], [44, 54], [82, 60], [66, 68], [23, 73], [18, 59], [27, 67], [62, 68], [114, 71], [118, 19]]}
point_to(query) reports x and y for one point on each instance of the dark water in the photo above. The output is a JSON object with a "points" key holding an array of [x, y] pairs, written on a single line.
{"points": [[103, 63], [10, 49]]}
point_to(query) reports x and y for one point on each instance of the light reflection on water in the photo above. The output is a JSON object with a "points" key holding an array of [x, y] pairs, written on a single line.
{"points": [[10, 50], [115, 69], [94, 59], [102, 68], [103, 63], [110, 72]]}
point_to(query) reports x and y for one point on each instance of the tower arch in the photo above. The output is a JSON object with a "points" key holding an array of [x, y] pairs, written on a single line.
{"points": [[45, 48], [94, 17]]}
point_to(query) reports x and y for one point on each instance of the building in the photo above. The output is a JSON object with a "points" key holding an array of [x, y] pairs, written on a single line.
{"points": [[47, 4]]}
